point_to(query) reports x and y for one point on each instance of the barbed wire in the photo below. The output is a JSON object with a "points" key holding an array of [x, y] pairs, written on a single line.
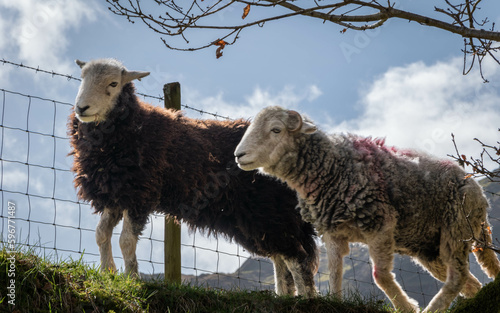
{"points": [[70, 77], [38, 69]]}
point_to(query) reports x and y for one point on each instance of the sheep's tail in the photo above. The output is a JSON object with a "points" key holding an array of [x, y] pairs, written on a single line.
{"points": [[487, 258]]}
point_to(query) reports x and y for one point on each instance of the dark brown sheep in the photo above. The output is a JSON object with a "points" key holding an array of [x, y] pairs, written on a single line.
{"points": [[132, 159]]}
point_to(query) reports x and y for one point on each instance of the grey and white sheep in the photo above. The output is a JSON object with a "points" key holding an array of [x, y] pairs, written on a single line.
{"points": [[356, 189], [132, 159]]}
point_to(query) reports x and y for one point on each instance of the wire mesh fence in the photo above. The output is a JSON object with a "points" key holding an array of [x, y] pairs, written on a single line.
{"points": [[35, 176]]}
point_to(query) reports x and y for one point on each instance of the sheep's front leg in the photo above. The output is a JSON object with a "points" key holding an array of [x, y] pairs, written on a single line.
{"points": [[103, 233], [282, 277], [128, 245], [381, 249], [337, 248]]}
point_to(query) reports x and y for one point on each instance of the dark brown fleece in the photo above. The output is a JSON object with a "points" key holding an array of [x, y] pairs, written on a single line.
{"points": [[148, 159]]}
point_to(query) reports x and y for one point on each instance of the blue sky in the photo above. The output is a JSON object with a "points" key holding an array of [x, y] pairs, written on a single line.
{"points": [[403, 81]]}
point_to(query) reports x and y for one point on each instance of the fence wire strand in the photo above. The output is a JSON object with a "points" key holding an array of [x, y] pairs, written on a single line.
{"points": [[49, 206], [70, 77]]}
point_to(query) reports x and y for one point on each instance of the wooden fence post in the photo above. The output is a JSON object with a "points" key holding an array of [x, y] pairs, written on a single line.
{"points": [[172, 250]]}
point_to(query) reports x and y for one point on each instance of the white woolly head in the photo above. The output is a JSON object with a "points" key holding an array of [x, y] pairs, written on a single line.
{"points": [[102, 82], [269, 137]]}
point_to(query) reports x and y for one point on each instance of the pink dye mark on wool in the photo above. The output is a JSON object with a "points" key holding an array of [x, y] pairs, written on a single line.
{"points": [[369, 142], [368, 147], [447, 163]]}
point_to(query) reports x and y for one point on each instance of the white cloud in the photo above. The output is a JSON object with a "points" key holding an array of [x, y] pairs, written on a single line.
{"points": [[15, 180], [288, 97], [4, 73], [3, 29], [313, 93], [419, 106], [36, 30]]}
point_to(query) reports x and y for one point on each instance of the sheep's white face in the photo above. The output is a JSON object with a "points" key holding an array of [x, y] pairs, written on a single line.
{"points": [[102, 82], [270, 137]]}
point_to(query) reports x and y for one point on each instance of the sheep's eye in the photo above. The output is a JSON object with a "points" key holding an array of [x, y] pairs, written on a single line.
{"points": [[276, 130], [113, 84]]}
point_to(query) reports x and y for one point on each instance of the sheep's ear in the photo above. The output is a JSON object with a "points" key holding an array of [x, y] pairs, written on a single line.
{"points": [[81, 64], [297, 123], [294, 122], [308, 127], [129, 76]]}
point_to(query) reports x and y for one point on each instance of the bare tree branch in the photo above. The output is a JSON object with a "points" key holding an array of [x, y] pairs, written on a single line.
{"points": [[483, 242], [198, 15], [489, 153]]}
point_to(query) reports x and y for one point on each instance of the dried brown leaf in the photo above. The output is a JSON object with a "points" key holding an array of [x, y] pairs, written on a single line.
{"points": [[221, 45], [218, 52], [246, 10]]}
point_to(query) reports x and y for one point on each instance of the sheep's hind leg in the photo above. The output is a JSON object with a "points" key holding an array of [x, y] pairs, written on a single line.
{"points": [[487, 258], [103, 233], [282, 277], [438, 270], [303, 275], [457, 275], [128, 245]]}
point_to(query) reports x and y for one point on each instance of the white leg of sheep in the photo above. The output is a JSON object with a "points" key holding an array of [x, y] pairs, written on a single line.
{"points": [[438, 270], [488, 260], [103, 234], [471, 287], [381, 250], [455, 281], [454, 255], [282, 277], [128, 245], [337, 248], [303, 287]]}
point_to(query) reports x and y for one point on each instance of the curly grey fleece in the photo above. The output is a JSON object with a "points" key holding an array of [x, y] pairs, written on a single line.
{"points": [[356, 189]]}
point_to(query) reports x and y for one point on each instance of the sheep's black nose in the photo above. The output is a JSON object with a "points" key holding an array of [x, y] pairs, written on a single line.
{"points": [[239, 155], [80, 110]]}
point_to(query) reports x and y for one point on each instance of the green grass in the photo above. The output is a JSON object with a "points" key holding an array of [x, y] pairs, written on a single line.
{"points": [[42, 285]]}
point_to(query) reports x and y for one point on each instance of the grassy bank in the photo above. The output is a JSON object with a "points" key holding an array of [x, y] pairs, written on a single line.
{"points": [[40, 285], [72, 286]]}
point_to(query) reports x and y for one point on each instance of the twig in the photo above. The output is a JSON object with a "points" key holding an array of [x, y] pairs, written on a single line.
{"points": [[479, 169], [479, 244]]}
